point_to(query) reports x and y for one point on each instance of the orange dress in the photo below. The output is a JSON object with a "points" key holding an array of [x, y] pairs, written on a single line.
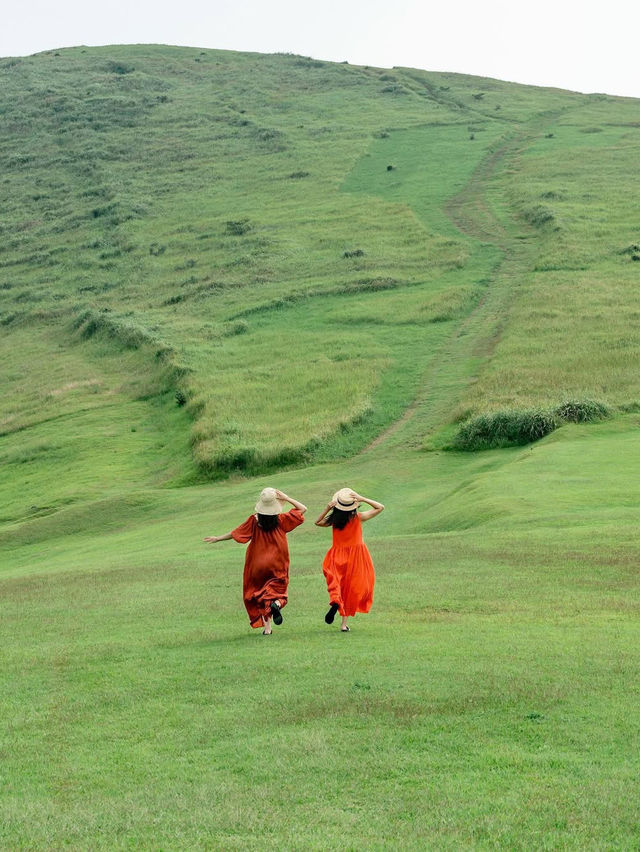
{"points": [[266, 564], [348, 570]]}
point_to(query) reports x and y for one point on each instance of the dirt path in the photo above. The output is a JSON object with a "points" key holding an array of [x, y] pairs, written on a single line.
{"points": [[479, 332]]}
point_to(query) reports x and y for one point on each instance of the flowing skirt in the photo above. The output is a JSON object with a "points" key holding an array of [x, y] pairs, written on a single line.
{"points": [[350, 578]]}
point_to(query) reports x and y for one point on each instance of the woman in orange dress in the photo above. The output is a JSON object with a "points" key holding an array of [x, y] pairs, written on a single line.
{"points": [[347, 567], [266, 564]]}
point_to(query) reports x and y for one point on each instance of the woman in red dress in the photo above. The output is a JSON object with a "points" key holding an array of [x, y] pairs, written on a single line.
{"points": [[347, 567], [266, 564]]}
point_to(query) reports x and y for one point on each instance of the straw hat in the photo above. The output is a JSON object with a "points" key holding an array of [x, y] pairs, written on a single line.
{"points": [[344, 500], [268, 504]]}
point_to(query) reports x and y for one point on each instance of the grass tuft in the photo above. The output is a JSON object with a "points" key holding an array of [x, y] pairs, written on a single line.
{"points": [[583, 411], [504, 429]]}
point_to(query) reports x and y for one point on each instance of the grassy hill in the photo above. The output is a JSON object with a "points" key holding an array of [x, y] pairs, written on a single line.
{"points": [[220, 271]]}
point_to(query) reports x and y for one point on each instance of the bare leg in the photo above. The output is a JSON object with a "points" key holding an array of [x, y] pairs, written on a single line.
{"points": [[267, 626], [344, 626]]}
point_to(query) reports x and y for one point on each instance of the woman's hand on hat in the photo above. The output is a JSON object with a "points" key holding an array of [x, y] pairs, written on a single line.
{"points": [[281, 496]]}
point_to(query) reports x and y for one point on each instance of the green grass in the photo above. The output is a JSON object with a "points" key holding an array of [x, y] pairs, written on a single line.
{"points": [[166, 722], [341, 336]]}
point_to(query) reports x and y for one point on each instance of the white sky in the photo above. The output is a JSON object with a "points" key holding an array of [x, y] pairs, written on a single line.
{"points": [[573, 44]]}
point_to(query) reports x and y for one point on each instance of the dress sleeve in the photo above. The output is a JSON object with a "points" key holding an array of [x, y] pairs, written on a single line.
{"points": [[290, 520], [244, 532]]}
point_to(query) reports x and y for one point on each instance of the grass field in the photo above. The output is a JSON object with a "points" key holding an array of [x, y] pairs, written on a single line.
{"points": [[221, 271]]}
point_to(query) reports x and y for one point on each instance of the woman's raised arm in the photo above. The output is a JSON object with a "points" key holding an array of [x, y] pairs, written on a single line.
{"points": [[376, 507]]}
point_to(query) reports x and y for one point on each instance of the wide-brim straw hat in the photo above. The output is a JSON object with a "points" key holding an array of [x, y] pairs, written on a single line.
{"points": [[268, 504], [344, 500]]}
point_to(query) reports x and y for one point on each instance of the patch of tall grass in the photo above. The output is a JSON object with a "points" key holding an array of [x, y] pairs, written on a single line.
{"points": [[515, 428]]}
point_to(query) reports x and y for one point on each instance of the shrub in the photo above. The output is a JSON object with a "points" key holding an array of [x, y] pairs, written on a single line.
{"points": [[231, 329], [504, 429], [582, 411], [238, 227], [119, 68], [97, 212], [538, 215], [174, 300], [634, 248]]}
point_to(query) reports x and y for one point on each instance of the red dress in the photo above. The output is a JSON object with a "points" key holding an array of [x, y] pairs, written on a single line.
{"points": [[266, 564], [348, 570]]}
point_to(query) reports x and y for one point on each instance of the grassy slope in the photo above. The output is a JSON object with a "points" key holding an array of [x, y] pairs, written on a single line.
{"points": [[507, 723], [138, 709]]}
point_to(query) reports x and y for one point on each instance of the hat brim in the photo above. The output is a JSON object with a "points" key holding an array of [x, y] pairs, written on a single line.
{"points": [[271, 508]]}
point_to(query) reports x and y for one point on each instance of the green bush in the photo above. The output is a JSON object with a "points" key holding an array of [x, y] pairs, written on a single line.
{"points": [[120, 68], [504, 429], [582, 411], [538, 215], [238, 227], [231, 329]]}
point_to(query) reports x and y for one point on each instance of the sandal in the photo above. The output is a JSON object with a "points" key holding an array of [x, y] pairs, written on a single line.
{"points": [[332, 613], [275, 612], [264, 633], [345, 629]]}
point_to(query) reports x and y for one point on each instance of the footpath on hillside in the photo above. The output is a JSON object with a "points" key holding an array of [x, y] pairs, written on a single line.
{"points": [[474, 339]]}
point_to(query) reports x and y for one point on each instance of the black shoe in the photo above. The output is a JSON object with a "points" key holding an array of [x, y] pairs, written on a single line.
{"points": [[276, 613], [332, 613]]}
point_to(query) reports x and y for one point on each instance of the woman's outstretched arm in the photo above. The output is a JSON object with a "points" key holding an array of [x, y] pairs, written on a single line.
{"points": [[211, 539]]}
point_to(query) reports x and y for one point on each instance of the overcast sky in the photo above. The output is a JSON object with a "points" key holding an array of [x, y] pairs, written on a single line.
{"points": [[586, 46]]}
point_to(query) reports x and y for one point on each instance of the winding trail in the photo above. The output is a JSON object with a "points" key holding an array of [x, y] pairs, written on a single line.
{"points": [[477, 335]]}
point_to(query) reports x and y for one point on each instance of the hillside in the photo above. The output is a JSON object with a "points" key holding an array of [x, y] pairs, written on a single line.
{"points": [[195, 207], [220, 271]]}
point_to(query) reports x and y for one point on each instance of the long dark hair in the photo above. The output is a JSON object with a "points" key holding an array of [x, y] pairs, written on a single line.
{"points": [[268, 523], [339, 518]]}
